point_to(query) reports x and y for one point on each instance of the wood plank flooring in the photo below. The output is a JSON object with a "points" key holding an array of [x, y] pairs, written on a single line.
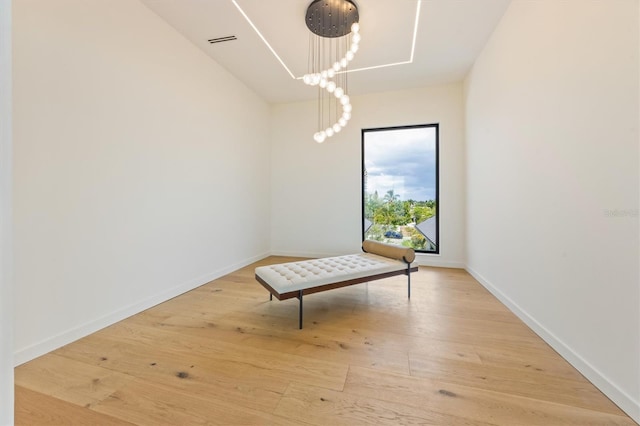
{"points": [[224, 354]]}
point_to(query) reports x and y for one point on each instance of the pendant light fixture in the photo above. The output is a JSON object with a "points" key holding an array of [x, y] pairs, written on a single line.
{"points": [[333, 43]]}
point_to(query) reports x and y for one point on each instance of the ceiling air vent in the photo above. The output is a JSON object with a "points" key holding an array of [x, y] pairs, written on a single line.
{"points": [[221, 39]]}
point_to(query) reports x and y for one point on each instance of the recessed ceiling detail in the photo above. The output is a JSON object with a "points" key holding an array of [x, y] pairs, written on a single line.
{"points": [[410, 49], [436, 44]]}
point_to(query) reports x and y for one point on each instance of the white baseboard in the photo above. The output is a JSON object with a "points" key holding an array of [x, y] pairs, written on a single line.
{"points": [[52, 343], [617, 395], [438, 263], [310, 255]]}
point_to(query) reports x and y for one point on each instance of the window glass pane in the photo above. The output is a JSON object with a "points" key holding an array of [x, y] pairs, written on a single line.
{"points": [[400, 186]]}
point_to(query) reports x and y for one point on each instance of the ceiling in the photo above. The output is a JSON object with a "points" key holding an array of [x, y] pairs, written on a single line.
{"points": [[449, 36]]}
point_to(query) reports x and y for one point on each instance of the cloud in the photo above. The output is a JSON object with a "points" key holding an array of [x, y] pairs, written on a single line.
{"points": [[403, 160]]}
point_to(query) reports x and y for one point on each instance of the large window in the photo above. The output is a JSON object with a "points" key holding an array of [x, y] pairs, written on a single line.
{"points": [[400, 186]]}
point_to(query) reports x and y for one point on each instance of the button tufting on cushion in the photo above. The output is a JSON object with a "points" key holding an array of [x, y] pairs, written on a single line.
{"points": [[293, 276]]}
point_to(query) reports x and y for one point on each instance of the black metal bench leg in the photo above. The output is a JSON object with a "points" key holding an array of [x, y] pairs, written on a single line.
{"points": [[409, 281], [300, 316]]}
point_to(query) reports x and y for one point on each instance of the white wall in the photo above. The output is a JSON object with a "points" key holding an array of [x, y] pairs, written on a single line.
{"points": [[317, 188], [6, 262], [137, 176], [552, 181]]}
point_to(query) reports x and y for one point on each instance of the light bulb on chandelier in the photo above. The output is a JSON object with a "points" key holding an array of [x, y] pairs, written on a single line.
{"points": [[320, 137]]}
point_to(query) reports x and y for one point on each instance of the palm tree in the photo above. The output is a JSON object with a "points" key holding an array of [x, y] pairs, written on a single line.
{"points": [[391, 196]]}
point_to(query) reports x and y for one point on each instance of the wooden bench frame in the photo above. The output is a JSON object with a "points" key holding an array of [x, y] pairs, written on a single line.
{"points": [[324, 287]]}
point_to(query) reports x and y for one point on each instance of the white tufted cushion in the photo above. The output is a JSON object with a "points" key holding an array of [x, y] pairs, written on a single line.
{"points": [[294, 276]]}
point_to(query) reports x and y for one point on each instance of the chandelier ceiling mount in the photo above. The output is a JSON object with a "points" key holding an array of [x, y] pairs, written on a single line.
{"points": [[331, 18]]}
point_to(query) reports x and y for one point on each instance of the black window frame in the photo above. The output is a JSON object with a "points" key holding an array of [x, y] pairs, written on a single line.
{"points": [[437, 177]]}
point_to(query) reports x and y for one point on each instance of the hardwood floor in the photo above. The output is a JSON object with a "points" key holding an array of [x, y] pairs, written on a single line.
{"points": [[225, 354]]}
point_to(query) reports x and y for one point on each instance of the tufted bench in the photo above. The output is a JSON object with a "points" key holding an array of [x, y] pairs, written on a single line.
{"points": [[296, 279]]}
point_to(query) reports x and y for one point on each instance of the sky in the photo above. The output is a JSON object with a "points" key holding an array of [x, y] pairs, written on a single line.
{"points": [[402, 160]]}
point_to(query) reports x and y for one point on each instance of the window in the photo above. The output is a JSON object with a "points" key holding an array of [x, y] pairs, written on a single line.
{"points": [[400, 186]]}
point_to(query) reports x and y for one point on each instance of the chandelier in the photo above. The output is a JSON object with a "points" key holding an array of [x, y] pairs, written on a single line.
{"points": [[333, 43]]}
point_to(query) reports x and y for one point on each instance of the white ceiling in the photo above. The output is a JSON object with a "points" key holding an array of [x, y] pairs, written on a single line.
{"points": [[450, 34]]}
